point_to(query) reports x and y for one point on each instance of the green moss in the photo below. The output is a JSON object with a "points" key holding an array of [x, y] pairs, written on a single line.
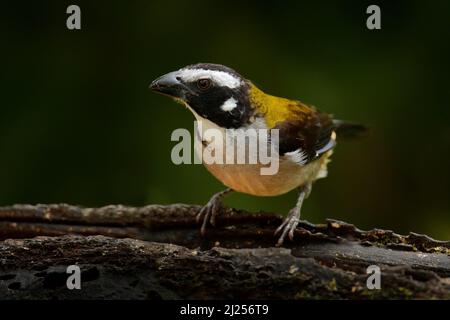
{"points": [[371, 294], [302, 295], [405, 292], [332, 285]]}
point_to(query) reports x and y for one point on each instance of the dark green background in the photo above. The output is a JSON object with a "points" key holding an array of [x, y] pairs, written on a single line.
{"points": [[78, 124]]}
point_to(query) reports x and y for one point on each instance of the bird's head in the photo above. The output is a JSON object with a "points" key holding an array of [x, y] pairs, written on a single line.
{"points": [[210, 91]]}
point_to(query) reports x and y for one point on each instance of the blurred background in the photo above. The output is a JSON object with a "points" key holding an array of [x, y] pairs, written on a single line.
{"points": [[79, 125]]}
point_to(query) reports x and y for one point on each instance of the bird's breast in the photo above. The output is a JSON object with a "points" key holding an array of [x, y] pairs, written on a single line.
{"points": [[248, 178]]}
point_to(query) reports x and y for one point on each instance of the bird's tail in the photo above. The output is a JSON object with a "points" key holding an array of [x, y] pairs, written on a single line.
{"points": [[347, 129]]}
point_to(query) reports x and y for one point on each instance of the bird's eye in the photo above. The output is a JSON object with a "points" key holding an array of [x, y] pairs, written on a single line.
{"points": [[204, 84]]}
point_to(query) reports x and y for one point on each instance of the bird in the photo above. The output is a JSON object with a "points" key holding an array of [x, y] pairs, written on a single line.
{"points": [[220, 98]]}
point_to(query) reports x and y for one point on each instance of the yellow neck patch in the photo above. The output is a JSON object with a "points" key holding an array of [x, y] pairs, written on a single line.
{"points": [[276, 109]]}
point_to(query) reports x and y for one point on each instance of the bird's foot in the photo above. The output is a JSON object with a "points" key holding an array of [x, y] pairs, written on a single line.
{"points": [[291, 221], [210, 211], [288, 226]]}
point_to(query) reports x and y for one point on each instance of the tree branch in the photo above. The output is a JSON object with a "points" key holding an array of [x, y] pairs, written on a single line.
{"points": [[165, 257]]}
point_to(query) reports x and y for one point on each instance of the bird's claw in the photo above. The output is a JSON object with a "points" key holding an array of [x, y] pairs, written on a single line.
{"points": [[210, 211], [288, 226], [208, 214]]}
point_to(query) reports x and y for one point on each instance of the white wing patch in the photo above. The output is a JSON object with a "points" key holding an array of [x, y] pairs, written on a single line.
{"points": [[219, 77], [297, 156], [330, 145], [229, 105]]}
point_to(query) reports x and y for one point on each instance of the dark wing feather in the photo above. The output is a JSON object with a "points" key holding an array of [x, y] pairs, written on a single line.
{"points": [[310, 132]]}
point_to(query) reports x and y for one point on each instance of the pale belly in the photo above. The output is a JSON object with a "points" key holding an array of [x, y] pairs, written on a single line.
{"points": [[247, 178]]}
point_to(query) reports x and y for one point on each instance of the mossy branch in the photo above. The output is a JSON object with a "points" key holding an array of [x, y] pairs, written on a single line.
{"points": [[163, 256]]}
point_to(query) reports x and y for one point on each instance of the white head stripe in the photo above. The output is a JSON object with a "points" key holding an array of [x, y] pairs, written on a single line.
{"points": [[222, 78], [229, 105]]}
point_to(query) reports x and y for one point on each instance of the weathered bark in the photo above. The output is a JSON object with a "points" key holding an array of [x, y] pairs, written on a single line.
{"points": [[166, 257]]}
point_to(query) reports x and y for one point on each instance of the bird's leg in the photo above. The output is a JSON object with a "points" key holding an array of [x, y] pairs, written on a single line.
{"points": [[210, 211], [291, 221]]}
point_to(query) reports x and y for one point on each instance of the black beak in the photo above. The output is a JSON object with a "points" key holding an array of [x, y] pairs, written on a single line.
{"points": [[169, 84]]}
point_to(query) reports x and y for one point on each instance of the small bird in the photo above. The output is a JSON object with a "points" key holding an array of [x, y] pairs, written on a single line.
{"points": [[220, 98]]}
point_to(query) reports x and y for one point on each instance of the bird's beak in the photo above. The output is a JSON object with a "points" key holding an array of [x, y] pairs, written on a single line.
{"points": [[169, 84]]}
